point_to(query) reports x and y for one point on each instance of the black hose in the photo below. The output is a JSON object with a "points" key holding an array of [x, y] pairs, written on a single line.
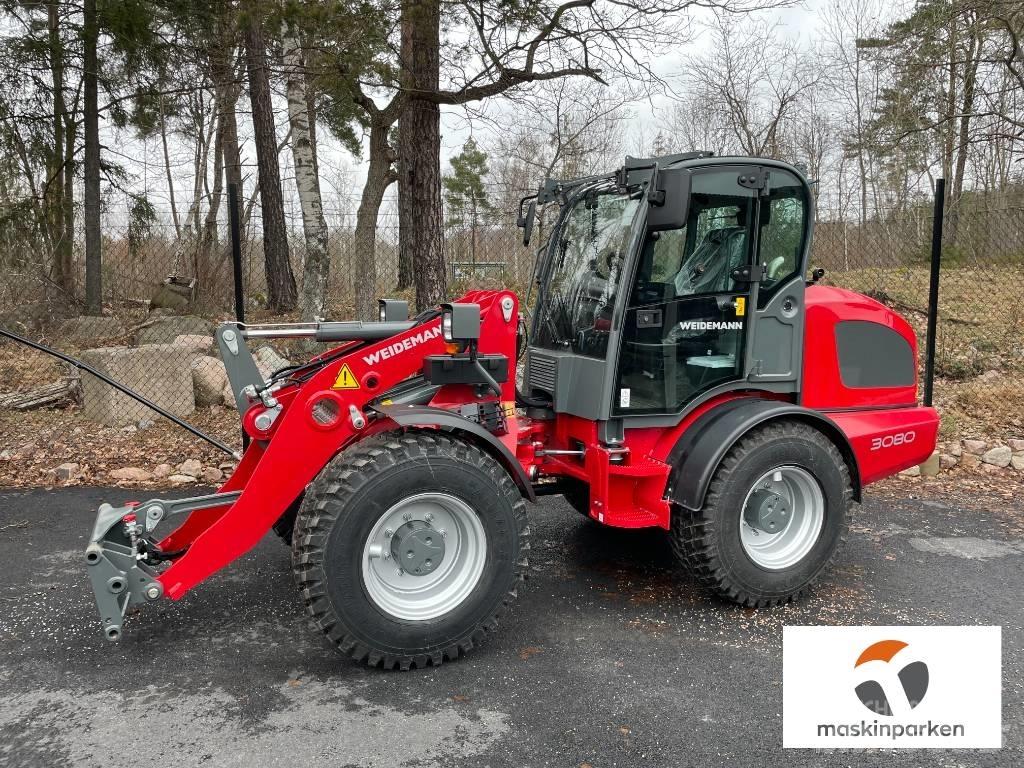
{"points": [[121, 388]]}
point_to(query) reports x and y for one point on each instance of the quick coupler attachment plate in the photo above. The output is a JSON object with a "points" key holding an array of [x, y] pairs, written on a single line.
{"points": [[115, 560]]}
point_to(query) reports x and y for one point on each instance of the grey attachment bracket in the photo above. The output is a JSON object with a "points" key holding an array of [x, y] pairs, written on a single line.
{"points": [[116, 560], [243, 375]]}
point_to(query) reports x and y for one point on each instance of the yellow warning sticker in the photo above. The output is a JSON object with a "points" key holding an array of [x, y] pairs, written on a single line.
{"points": [[345, 379], [741, 306]]}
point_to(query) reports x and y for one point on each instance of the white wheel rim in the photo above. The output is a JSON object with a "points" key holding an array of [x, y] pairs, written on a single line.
{"points": [[800, 494], [405, 595]]}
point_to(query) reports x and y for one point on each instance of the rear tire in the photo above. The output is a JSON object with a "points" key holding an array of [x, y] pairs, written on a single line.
{"points": [[755, 567], [376, 498]]}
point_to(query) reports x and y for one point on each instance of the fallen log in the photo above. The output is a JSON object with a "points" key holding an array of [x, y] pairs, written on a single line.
{"points": [[48, 394]]}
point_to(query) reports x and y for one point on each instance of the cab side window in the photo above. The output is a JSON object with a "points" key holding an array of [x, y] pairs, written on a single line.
{"points": [[783, 235]]}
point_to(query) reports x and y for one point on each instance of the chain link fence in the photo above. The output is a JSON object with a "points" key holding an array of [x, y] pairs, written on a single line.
{"points": [[165, 288]]}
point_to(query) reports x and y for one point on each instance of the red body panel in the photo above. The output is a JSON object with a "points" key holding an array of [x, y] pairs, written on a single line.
{"points": [[823, 387], [885, 428]]}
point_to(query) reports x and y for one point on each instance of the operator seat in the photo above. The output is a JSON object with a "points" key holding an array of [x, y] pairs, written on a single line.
{"points": [[709, 269]]}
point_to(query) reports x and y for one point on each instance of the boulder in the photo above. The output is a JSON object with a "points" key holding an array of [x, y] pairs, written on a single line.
{"points": [[209, 378], [911, 472], [181, 479], [977, 447], [159, 372], [135, 474], [211, 475], [970, 460], [190, 467], [194, 342], [163, 470], [1017, 461], [88, 331], [955, 449], [947, 461], [930, 466], [66, 472], [1015, 444], [268, 360], [164, 330], [999, 456], [170, 296]]}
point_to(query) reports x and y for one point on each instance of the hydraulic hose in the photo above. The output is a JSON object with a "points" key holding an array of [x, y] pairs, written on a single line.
{"points": [[122, 388]]}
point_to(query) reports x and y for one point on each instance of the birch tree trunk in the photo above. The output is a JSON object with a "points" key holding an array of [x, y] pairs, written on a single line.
{"points": [[317, 264]]}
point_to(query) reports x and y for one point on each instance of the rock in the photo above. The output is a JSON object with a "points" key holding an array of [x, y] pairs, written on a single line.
{"points": [[131, 473], [930, 466], [89, 331], [229, 395], [955, 449], [989, 376], [977, 447], [268, 361], [1017, 461], [144, 424], [159, 372], [211, 475], [969, 460], [1015, 444], [209, 378], [911, 472], [190, 467], [946, 461], [162, 470], [170, 296], [181, 479], [66, 472], [164, 330], [999, 456], [194, 342], [6, 454]]}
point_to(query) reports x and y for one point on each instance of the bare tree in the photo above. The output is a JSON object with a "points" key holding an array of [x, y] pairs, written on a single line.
{"points": [[756, 78]]}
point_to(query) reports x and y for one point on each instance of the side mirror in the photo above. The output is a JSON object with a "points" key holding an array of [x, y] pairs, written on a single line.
{"points": [[670, 201], [526, 222], [460, 322]]}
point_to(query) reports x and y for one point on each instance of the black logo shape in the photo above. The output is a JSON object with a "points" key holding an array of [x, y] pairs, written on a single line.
{"points": [[913, 677]]}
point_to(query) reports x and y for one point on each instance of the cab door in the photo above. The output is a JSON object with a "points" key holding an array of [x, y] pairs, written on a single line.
{"points": [[687, 321]]}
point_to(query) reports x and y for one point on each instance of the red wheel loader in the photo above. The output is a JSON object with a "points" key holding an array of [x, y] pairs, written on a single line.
{"points": [[680, 373]]}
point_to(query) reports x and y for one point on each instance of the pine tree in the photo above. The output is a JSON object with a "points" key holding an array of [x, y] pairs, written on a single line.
{"points": [[465, 194]]}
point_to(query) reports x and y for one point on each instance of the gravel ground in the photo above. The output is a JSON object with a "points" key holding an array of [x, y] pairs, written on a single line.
{"points": [[612, 657]]}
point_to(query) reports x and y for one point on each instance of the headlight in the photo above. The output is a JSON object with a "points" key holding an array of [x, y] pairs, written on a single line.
{"points": [[460, 322]]}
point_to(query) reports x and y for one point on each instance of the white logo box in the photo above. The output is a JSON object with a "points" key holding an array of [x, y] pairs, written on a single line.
{"points": [[829, 672]]}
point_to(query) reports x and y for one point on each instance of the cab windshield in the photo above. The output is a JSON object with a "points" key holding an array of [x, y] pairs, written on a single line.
{"points": [[586, 261]]}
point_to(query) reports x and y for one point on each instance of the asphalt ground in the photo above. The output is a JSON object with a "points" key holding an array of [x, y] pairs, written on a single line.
{"points": [[612, 657]]}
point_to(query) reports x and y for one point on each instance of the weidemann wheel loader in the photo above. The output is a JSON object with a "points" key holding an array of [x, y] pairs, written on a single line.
{"points": [[680, 373]]}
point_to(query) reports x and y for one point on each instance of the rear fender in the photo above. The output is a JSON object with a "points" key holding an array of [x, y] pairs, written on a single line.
{"points": [[701, 448]]}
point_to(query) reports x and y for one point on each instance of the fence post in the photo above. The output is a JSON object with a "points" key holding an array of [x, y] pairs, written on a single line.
{"points": [[933, 291], [235, 225]]}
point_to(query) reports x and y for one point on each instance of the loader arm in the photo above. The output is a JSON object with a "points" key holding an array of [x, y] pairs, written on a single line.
{"points": [[296, 429]]}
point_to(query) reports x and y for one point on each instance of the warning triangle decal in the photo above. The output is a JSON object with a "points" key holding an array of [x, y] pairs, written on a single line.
{"points": [[345, 379]]}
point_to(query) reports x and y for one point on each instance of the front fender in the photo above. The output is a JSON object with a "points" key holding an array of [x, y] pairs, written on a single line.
{"points": [[429, 416], [701, 448]]}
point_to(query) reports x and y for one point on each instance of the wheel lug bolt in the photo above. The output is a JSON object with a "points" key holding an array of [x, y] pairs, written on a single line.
{"points": [[443, 532], [388, 533], [407, 516], [428, 517]]}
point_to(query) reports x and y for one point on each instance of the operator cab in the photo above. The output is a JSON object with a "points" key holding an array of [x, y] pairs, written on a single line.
{"points": [[672, 280]]}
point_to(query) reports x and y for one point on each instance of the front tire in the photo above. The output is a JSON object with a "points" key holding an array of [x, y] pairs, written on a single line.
{"points": [[775, 515], [443, 508]]}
